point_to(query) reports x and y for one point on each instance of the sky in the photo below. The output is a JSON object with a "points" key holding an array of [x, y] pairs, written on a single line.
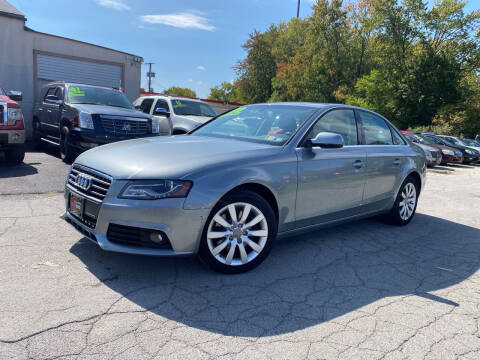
{"points": [[192, 43]]}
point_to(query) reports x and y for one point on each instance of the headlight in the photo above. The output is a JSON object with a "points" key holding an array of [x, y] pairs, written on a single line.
{"points": [[458, 153], [14, 115], [469, 152], [155, 126], [84, 120], [427, 153], [156, 189], [447, 152]]}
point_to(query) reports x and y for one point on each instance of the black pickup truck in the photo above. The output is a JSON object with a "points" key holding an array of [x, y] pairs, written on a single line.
{"points": [[77, 117]]}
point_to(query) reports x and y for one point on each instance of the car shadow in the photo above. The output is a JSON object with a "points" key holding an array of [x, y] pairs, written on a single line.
{"points": [[305, 281], [16, 170], [461, 166]]}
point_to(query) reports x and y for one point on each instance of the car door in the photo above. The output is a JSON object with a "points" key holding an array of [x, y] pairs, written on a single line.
{"points": [[165, 123], [331, 181], [386, 158], [51, 112]]}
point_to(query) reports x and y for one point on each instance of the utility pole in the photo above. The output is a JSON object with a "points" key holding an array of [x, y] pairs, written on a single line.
{"points": [[298, 9], [150, 75]]}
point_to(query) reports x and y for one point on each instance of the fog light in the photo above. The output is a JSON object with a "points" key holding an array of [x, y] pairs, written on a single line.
{"points": [[157, 238]]}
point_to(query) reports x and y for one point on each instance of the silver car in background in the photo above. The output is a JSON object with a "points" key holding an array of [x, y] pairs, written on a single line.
{"points": [[228, 189]]}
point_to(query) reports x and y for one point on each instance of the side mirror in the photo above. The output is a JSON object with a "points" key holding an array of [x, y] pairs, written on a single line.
{"points": [[326, 140], [138, 107], [161, 112], [52, 99], [15, 95]]}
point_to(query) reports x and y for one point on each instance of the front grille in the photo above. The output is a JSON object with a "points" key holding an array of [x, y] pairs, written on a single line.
{"points": [[124, 126], [86, 233], [133, 236], [98, 188]]}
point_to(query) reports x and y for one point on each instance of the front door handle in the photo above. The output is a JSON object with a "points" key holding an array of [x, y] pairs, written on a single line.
{"points": [[357, 164], [396, 162]]}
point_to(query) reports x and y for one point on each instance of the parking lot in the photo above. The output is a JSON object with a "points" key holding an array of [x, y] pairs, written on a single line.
{"points": [[365, 290]]}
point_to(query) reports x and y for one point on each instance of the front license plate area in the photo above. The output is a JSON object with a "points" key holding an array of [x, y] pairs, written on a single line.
{"points": [[76, 206]]}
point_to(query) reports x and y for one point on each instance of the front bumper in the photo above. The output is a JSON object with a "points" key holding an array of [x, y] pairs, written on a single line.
{"points": [[11, 137], [83, 139], [182, 227]]}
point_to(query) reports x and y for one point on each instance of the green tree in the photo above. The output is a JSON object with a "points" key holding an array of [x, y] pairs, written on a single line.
{"points": [[179, 91], [224, 92]]}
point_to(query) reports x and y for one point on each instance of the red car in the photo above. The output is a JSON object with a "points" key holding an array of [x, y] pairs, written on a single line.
{"points": [[12, 127]]}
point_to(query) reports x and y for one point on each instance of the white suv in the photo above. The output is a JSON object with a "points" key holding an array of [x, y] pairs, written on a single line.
{"points": [[185, 114]]}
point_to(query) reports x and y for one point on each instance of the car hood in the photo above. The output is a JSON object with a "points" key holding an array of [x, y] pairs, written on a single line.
{"points": [[426, 147], [199, 119], [171, 157], [110, 110]]}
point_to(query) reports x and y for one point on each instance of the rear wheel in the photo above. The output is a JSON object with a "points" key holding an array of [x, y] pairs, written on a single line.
{"points": [[15, 154], [67, 153], [239, 233], [405, 205]]}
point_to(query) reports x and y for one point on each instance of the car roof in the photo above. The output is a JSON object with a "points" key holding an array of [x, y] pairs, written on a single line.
{"points": [[54, 83], [171, 97]]}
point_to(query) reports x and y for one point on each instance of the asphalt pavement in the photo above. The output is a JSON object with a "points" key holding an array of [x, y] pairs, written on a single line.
{"points": [[364, 290]]}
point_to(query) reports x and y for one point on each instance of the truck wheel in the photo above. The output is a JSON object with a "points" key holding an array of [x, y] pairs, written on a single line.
{"points": [[15, 154], [66, 152]]}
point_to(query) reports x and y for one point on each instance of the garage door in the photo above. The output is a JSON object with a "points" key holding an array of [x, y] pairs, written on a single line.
{"points": [[54, 68]]}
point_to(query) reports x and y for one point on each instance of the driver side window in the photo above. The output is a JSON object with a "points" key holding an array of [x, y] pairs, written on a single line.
{"points": [[340, 122]]}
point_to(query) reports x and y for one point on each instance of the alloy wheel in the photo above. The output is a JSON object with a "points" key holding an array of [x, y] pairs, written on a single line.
{"points": [[237, 234], [408, 202]]}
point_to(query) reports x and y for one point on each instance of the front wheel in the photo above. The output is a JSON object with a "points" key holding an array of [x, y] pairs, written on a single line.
{"points": [[239, 233], [405, 205], [67, 153]]}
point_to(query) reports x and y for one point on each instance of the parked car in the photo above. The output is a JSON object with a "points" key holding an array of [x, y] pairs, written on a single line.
{"points": [[469, 155], [449, 155], [228, 188], [433, 155], [78, 117], [475, 154], [185, 114], [12, 127], [472, 144]]}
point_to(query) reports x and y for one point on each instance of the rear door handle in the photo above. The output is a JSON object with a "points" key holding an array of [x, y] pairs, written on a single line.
{"points": [[396, 162], [357, 164]]}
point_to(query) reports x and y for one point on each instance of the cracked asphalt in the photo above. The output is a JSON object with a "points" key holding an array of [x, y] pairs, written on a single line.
{"points": [[364, 290]]}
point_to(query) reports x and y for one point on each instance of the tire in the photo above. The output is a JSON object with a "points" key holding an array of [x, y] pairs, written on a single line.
{"points": [[15, 154], [401, 215], [249, 250], [66, 152], [37, 141]]}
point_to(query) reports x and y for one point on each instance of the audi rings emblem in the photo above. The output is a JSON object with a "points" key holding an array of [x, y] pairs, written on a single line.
{"points": [[83, 181]]}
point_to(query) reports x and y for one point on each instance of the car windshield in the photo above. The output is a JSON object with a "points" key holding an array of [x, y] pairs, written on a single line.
{"points": [[267, 124], [435, 140], [471, 142], [97, 96], [450, 142], [423, 140], [194, 108]]}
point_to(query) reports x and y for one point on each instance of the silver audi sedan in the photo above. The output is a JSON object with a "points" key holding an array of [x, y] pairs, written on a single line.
{"points": [[228, 189]]}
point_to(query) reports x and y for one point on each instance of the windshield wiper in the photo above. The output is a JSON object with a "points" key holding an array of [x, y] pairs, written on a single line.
{"points": [[193, 115]]}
